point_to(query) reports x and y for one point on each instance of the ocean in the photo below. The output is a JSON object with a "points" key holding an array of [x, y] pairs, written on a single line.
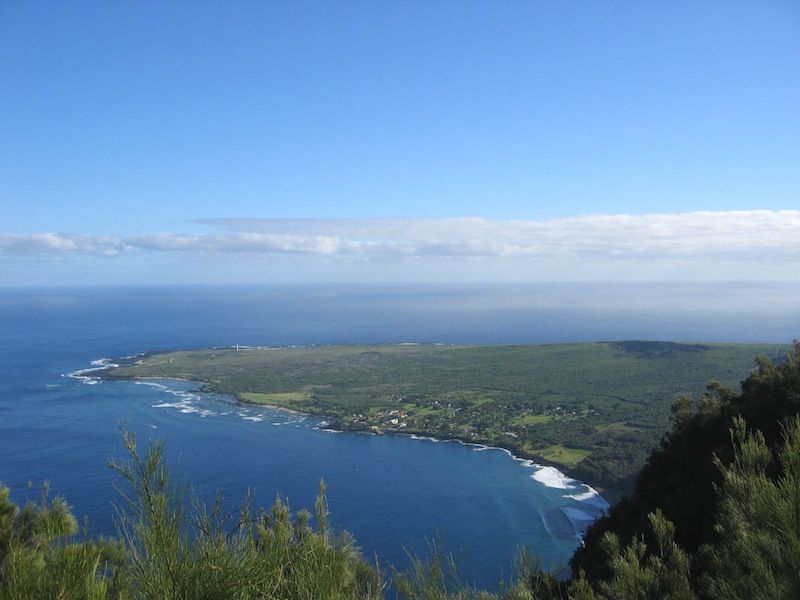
{"points": [[396, 494]]}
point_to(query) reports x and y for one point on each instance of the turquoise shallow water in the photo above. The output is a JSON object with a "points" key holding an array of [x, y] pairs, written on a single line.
{"points": [[393, 492]]}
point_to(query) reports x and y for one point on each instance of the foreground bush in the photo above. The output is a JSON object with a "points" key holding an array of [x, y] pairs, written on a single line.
{"points": [[172, 546]]}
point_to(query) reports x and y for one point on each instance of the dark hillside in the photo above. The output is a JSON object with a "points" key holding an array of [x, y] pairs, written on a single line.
{"points": [[680, 477]]}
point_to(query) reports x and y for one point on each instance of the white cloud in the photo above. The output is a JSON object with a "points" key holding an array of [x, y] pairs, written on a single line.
{"points": [[59, 243], [757, 236]]}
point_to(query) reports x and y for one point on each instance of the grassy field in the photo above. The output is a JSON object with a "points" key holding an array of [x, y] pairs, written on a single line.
{"points": [[561, 455], [594, 409]]}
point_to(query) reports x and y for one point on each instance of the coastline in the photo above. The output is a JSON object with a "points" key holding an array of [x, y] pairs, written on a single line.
{"points": [[580, 405], [607, 495], [550, 475]]}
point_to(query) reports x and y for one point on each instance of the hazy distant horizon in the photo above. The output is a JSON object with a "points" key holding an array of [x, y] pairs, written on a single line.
{"points": [[411, 284], [432, 313]]}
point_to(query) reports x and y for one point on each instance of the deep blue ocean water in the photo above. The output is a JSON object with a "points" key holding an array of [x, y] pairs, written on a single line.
{"points": [[392, 492]]}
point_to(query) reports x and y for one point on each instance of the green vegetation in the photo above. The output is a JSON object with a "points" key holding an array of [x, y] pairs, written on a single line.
{"points": [[594, 410], [615, 427], [35, 561], [714, 468], [569, 457], [283, 399], [532, 419], [735, 507], [171, 546]]}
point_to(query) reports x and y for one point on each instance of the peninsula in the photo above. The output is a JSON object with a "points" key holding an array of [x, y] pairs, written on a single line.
{"points": [[594, 410]]}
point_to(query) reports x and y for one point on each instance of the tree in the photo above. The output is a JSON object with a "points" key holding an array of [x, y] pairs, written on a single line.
{"points": [[40, 559], [757, 554]]}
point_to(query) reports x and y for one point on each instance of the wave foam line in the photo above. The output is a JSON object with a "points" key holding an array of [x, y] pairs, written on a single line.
{"points": [[546, 475], [97, 365], [553, 478], [591, 497]]}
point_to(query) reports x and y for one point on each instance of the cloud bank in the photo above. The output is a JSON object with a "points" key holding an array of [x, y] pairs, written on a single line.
{"points": [[735, 236]]}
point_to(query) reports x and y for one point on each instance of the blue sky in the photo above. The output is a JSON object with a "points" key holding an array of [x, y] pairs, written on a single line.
{"points": [[125, 120]]}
